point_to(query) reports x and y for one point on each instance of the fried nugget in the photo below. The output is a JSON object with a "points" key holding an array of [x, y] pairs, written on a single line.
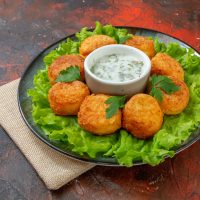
{"points": [[164, 64], [66, 98], [142, 116], [62, 63], [92, 116], [93, 42], [176, 102], [143, 43]]}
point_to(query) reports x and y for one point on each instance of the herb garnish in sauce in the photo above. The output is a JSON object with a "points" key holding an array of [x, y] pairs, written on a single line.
{"points": [[118, 68]]}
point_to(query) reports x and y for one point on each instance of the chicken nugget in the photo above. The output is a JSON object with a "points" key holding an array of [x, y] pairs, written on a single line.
{"points": [[92, 116], [142, 116], [143, 43], [176, 102], [66, 98], [62, 63], [93, 42], [164, 64]]}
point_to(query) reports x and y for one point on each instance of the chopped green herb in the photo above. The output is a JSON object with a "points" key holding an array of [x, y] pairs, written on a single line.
{"points": [[115, 103], [160, 83], [70, 74]]}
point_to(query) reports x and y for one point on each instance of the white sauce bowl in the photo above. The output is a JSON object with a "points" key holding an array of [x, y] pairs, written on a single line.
{"points": [[129, 88]]}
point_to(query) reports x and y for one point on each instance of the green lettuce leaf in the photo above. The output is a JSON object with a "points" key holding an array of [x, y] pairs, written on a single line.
{"points": [[39, 93], [67, 47], [117, 34]]}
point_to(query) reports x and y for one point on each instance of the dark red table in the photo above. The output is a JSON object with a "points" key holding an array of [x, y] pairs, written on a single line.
{"points": [[26, 28]]}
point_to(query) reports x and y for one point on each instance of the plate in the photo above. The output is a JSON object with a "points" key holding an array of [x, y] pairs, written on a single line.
{"points": [[25, 104]]}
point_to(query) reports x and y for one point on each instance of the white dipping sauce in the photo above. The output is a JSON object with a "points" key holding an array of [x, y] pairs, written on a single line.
{"points": [[118, 68]]}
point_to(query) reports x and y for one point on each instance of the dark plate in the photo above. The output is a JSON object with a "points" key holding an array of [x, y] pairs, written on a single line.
{"points": [[25, 104]]}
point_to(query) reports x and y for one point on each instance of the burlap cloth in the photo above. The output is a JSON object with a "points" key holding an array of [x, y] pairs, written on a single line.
{"points": [[54, 168]]}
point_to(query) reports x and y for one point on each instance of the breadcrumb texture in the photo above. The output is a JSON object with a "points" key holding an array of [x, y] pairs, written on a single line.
{"points": [[175, 103], [142, 116], [143, 43], [66, 98], [92, 116], [93, 42], [164, 64], [64, 62]]}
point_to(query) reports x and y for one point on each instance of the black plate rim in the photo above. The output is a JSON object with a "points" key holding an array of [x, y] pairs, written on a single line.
{"points": [[183, 147]]}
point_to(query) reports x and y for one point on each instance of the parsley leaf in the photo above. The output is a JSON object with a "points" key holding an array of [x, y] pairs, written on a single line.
{"points": [[160, 83], [70, 74], [115, 103]]}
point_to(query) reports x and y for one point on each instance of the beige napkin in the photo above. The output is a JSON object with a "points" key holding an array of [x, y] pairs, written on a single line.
{"points": [[54, 168]]}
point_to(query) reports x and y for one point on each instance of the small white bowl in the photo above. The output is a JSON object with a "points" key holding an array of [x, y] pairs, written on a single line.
{"points": [[129, 88]]}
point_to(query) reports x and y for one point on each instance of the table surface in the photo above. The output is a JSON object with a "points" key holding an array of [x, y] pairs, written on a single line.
{"points": [[26, 28]]}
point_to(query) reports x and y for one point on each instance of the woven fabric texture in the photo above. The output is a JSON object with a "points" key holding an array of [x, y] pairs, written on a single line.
{"points": [[54, 168]]}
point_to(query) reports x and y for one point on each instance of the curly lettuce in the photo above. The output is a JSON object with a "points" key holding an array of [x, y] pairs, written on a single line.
{"points": [[118, 34], [122, 146]]}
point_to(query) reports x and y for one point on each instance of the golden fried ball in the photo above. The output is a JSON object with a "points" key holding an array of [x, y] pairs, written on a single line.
{"points": [[93, 42], [92, 116], [66, 98], [164, 64], [142, 116], [176, 102], [62, 63], [143, 43]]}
